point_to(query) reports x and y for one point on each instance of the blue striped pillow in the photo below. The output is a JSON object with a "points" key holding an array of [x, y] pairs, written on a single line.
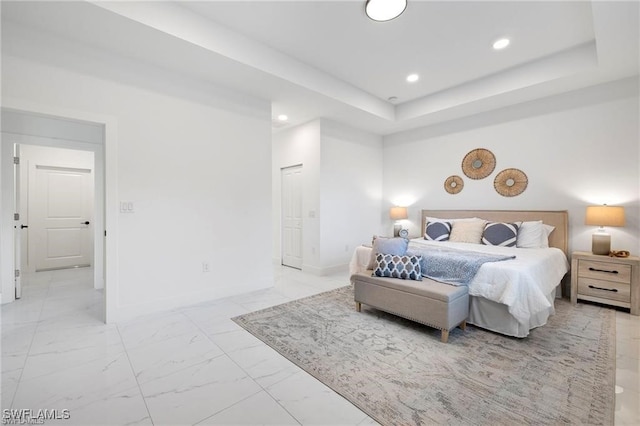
{"points": [[501, 234]]}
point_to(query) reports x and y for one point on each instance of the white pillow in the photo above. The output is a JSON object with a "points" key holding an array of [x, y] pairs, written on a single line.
{"points": [[467, 231], [546, 231], [534, 234], [530, 235]]}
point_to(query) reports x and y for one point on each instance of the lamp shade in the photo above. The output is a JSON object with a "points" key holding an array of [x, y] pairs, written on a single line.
{"points": [[605, 216], [398, 213]]}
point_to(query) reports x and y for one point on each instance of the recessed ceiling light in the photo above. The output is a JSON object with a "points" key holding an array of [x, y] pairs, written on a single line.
{"points": [[412, 78], [501, 43], [283, 117], [384, 10]]}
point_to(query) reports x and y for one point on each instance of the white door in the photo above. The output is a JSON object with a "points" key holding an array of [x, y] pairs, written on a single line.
{"points": [[60, 208], [292, 216]]}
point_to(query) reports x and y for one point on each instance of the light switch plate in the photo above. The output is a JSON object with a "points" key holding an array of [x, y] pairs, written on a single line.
{"points": [[126, 207]]}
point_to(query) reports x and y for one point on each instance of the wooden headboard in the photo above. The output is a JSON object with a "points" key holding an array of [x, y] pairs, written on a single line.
{"points": [[559, 219]]}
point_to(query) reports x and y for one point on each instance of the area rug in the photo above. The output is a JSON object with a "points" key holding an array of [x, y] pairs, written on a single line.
{"points": [[399, 373]]}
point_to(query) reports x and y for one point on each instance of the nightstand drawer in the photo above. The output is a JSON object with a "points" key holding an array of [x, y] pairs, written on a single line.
{"points": [[604, 289], [605, 271]]}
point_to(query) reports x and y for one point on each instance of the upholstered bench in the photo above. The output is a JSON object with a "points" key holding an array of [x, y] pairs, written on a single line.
{"points": [[428, 302]]}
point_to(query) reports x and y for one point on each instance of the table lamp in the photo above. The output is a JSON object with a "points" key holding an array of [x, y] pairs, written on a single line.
{"points": [[603, 216], [397, 214]]}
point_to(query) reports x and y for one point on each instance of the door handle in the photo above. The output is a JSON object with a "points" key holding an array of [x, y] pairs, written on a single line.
{"points": [[24, 226], [85, 222]]}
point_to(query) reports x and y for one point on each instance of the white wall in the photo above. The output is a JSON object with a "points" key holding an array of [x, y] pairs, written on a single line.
{"points": [[195, 171], [577, 149], [350, 191], [342, 188]]}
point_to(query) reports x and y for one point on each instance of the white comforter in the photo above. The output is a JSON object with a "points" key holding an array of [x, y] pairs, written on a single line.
{"points": [[521, 283]]}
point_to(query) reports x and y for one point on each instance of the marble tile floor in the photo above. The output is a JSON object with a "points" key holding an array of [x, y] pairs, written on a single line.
{"points": [[187, 366]]}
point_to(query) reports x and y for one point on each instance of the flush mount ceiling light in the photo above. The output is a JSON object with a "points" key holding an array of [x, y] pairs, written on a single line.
{"points": [[412, 78], [384, 10], [283, 117], [501, 43]]}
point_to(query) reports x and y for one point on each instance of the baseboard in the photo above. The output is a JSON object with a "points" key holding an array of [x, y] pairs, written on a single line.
{"points": [[329, 270], [315, 270]]}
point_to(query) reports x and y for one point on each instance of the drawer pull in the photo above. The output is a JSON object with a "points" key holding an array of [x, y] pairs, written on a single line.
{"points": [[615, 290], [603, 270]]}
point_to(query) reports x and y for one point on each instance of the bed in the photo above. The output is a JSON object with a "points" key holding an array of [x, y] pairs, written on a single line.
{"points": [[510, 297]]}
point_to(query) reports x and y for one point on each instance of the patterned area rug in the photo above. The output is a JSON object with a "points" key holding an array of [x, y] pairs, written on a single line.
{"points": [[398, 372]]}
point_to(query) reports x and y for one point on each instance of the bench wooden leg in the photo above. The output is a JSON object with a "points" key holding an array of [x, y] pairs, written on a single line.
{"points": [[444, 338], [463, 325], [358, 306]]}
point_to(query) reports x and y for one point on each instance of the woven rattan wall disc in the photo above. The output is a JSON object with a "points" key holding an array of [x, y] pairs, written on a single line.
{"points": [[479, 163], [453, 184], [510, 182]]}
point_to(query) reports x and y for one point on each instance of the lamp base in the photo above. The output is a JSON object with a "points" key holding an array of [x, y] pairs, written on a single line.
{"points": [[601, 243], [398, 227]]}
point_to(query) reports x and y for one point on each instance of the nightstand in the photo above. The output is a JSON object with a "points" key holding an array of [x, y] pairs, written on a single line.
{"points": [[608, 280]]}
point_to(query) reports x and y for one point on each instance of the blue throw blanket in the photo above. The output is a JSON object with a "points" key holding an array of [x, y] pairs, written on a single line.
{"points": [[451, 266]]}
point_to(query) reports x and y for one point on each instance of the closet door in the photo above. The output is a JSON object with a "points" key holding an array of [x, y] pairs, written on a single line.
{"points": [[292, 217]]}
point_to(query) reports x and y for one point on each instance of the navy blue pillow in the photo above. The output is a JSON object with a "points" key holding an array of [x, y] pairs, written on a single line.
{"points": [[437, 231], [501, 234]]}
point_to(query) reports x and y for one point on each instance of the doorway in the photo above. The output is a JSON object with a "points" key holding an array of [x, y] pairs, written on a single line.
{"points": [[61, 242], [291, 226]]}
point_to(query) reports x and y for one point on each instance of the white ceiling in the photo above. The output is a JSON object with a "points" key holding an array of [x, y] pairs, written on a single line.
{"points": [[326, 58], [447, 43]]}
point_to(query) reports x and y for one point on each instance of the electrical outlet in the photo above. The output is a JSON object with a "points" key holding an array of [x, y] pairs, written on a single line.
{"points": [[206, 267]]}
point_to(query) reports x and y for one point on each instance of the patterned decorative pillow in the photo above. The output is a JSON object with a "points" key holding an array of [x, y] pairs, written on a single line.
{"points": [[501, 234], [437, 231], [397, 246], [393, 266]]}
